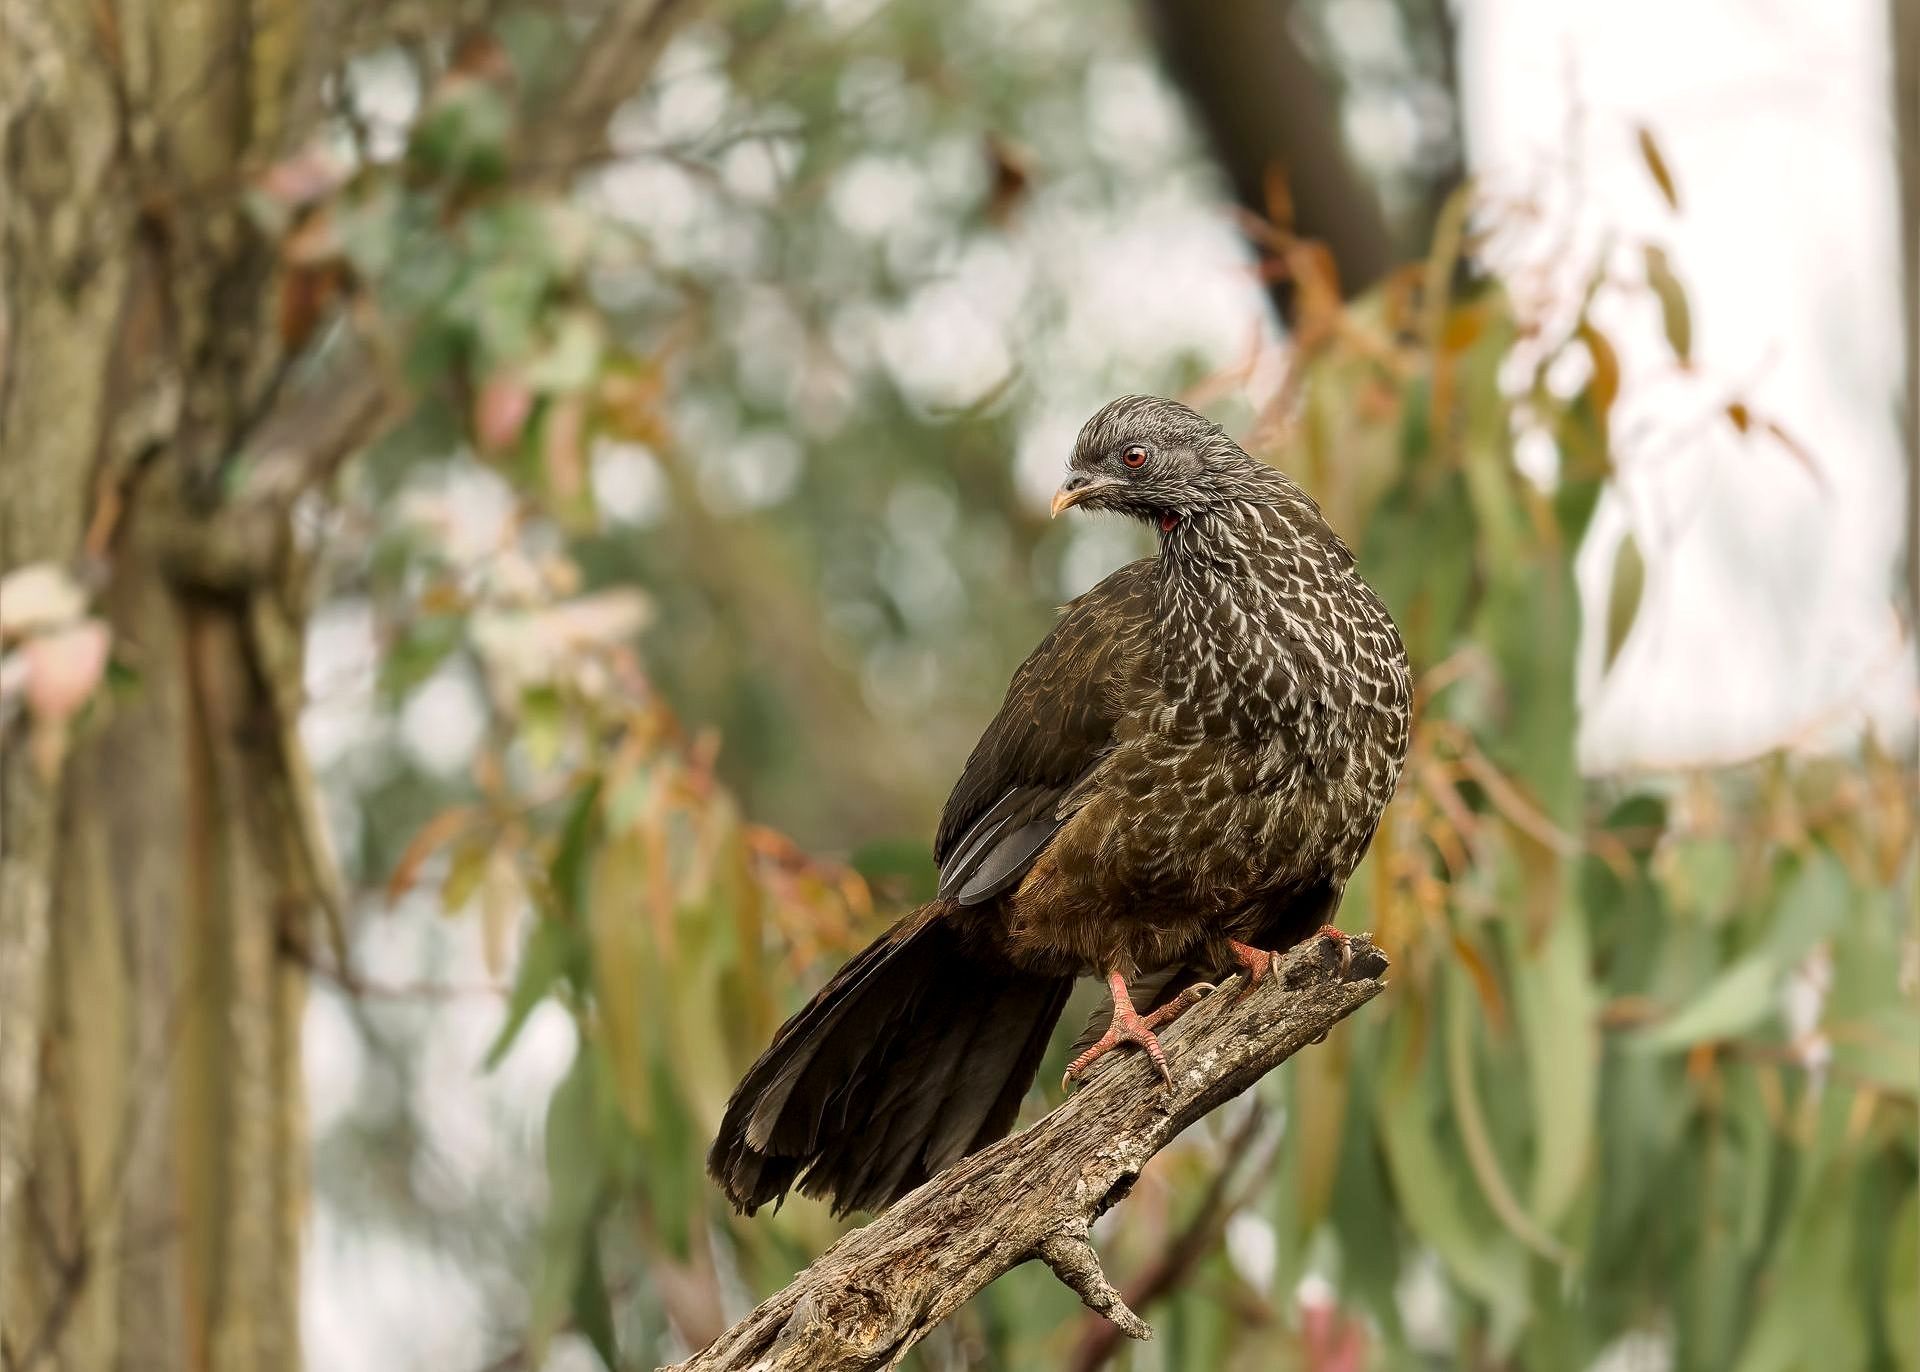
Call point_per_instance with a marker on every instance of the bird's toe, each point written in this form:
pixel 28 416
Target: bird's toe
pixel 1342 946
pixel 1255 963
pixel 1127 1027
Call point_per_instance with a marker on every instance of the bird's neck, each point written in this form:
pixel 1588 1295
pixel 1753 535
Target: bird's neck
pixel 1239 615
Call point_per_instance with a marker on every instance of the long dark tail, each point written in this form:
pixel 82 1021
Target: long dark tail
pixel 916 1054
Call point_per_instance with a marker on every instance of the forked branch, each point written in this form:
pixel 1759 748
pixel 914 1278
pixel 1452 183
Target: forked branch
pixel 884 1287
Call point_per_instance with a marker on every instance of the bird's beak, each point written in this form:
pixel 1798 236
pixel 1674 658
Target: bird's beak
pixel 1077 488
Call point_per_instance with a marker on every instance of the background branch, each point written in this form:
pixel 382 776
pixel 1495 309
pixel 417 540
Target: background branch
pixel 883 1288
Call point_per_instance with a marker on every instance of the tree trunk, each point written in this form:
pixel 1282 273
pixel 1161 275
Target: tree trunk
pixel 1269 111
pixel 151 1138
pixel 160 884
pixel 1905 24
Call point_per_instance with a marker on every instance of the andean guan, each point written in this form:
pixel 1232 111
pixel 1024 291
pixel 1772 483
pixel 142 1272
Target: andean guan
pixel 1183 775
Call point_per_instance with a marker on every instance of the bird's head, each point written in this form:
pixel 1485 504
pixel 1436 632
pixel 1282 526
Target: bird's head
pixel 1157 460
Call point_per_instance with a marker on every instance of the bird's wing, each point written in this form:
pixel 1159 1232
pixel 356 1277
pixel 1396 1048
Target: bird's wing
pixel 1057 722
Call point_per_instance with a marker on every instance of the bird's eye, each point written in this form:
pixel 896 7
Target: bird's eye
pixel 1135 456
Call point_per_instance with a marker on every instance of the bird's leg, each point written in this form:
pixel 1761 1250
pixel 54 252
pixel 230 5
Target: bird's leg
pixel 1129 1026
pixel 1255 962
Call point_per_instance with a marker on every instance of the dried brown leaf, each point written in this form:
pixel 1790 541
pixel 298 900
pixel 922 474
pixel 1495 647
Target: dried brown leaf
pixel 1605 385
pixel 431 837
pixel 1676 316
pixel 1657 166
pixel 1797 450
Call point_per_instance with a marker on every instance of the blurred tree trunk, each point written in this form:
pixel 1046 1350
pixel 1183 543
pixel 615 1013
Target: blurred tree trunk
pixel 153 1167
pixel 1268 109
pixel 1905 22
pixel 160 888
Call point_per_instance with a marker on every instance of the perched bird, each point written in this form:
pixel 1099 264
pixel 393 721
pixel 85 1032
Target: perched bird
pixel 1181 780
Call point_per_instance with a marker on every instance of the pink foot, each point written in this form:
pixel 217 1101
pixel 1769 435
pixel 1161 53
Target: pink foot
pixel 1255 962
pixel 1128 1026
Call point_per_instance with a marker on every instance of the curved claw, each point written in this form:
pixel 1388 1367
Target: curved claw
pixel 1340 941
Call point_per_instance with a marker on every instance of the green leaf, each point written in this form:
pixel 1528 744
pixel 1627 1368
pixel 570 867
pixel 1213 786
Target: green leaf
pixel 1703 874
pixel 576 1191
pixel 617 934
pixel 1758 1143
pixel 1476 1137
pixel 571 358
pixel 1555 1011
pixel 369 227
pixel 592 1309
pixel 1675 315
pixel 568 872
pixel 1815 898
pixel 122 678
pixel 1820 1320
pixel 1416 420
pixel 501 306
pixel 1429 596
pixel 543 720
pixel 464 872
pixel 1903 1284
pixel 1623 599
pixel 1574 501
pixel 1737 1001
pixel 419 653
pixel 550 949
pixel 1530 620
pixel 463 134
pixel 1427 1184
pixel 1881 1044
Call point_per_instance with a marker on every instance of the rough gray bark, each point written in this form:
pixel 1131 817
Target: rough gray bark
pixel 867 1300
pixel 151 1158
pixel 158 890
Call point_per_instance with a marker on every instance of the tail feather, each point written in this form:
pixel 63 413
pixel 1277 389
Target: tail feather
pixel 915 1054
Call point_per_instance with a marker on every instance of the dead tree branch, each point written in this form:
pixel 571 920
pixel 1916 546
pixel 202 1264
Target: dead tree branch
pixel 883 1288
pixel 1198 1238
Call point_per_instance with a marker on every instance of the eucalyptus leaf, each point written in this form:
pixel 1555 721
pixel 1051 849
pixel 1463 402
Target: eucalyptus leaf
pixel 544 961
pixel 576 1191
pixel 1737 1001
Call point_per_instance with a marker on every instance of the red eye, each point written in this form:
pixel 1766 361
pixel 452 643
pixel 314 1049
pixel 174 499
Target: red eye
pixel 1136 456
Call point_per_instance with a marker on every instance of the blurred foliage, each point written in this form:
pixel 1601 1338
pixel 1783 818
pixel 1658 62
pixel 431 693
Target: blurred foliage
pixel 1648 1066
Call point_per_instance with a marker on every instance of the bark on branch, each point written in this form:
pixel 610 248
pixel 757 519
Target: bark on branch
pixel 883 1288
